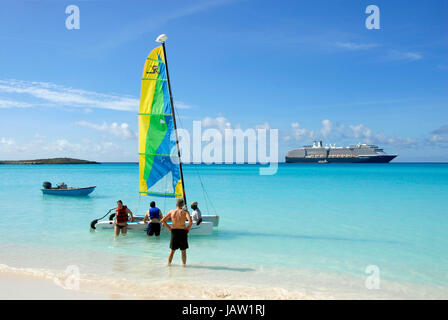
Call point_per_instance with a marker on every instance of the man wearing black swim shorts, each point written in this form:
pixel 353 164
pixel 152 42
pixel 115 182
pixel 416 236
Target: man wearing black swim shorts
pixel 179 232
pixel 153 215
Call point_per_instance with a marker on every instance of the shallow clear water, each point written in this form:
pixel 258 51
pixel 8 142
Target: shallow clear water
pixel 326 218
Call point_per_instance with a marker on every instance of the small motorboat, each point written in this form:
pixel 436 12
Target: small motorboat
pixel 63 190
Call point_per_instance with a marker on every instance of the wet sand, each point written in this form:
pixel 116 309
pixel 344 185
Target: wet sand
pixel 20 287
pixel 31 284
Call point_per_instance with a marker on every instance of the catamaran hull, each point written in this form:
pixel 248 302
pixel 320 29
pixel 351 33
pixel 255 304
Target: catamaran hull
pixel 205 228
pixel 213 219
pixel 205 218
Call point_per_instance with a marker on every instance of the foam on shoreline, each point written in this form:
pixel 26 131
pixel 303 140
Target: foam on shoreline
pixel 31 283
pixel 95 287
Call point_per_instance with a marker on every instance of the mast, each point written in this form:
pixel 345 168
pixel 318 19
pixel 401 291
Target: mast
pixel 162 39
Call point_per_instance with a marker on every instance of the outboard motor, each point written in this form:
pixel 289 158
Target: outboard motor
pixel 46 185
pixel 94 222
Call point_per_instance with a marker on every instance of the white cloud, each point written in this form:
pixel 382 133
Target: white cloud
pixel 393 141
pixel 7 142
pixel 438 139
pixel 327 127
pixel 181 105
pixel 264 126
pixel 356 46
pixel 64 145
pixel 56 95
pixel 120 130
pixel 53 95
pixel 300 134
pixel 40 147
pixel 439 136
pixel 405 56
pixel 220 123
pixel 13 104
pixel 360 131
pixel 366 135
pixel 345 134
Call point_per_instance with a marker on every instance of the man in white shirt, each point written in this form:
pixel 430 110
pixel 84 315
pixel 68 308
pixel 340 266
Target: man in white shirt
pixel 196 214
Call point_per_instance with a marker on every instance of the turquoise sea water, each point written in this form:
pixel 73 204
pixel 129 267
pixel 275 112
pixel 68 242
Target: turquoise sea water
pixel 335 219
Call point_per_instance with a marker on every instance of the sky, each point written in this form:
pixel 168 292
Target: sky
pixel 310 69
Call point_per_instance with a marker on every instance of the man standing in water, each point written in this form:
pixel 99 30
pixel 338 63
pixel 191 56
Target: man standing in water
pixel 179 233
pixel 121 218
pixel 153 215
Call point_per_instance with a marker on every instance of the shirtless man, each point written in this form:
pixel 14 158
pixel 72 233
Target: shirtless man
pixel 179 233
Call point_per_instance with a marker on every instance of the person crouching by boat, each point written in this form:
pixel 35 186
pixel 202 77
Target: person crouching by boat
pixel 154 215
pixel 196 214
pixel 121 218
pixel 179 233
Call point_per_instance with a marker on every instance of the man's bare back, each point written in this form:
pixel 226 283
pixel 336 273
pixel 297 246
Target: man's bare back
pixel 178 216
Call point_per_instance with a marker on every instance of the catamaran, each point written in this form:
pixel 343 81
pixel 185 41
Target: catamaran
pixel 160 165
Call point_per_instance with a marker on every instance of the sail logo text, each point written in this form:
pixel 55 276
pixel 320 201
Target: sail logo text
pixel 229 146
pixel 155 69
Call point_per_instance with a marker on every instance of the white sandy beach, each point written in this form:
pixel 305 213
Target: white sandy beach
pixel 38 284
pixel 20 287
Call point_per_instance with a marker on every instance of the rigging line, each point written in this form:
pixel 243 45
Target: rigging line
pixel 206 193
pixel 164 198
pixel 206 202
pixel 207 197
pixel 138 205
pixel 197 171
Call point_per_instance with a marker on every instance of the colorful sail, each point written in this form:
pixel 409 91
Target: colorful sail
pixel 158 157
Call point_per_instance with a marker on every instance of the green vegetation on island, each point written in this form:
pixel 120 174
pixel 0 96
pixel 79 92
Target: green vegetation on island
pixel 49 161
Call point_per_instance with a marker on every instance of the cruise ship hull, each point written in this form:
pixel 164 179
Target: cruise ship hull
pixel 359 159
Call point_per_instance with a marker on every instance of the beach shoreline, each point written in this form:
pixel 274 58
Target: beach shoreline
pixel 22 287
pixel 41 284
pixel 29 284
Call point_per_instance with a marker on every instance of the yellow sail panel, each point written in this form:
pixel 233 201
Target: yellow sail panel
pixel 149 79
pixel 143 126
pixel 143 186
pixel 178 190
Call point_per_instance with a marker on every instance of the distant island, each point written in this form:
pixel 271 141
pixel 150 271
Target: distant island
pixel 49 161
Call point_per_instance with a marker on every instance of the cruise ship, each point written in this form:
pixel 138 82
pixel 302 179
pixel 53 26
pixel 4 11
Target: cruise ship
pixel 361 153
